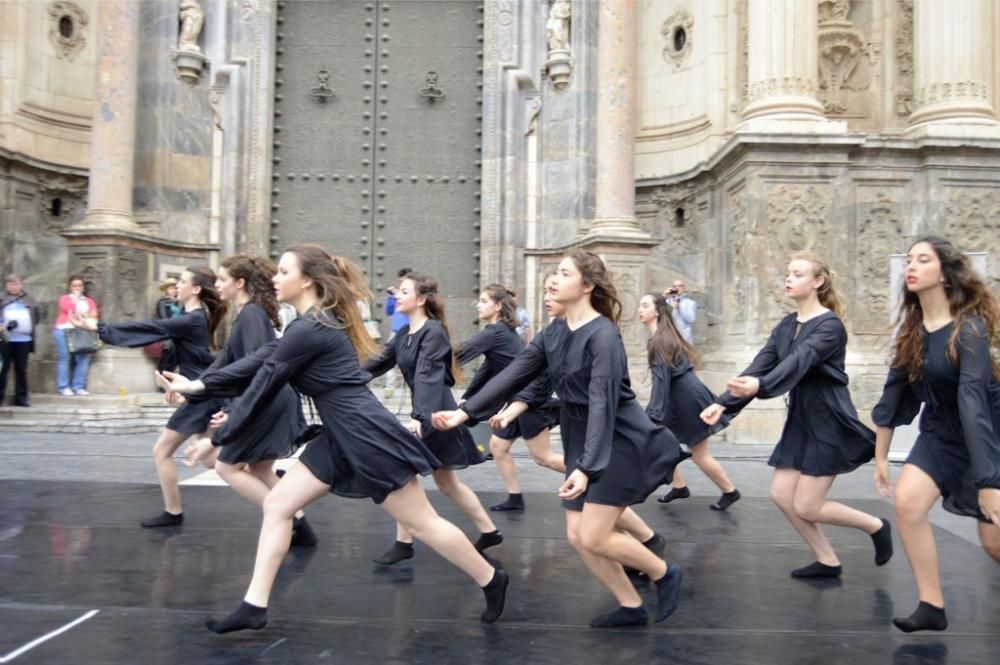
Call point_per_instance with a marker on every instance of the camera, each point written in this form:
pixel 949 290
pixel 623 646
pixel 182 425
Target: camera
pixel 391 290
pixel 672 290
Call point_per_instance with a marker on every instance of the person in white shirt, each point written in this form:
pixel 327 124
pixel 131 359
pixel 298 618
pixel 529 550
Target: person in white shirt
pixel 684 308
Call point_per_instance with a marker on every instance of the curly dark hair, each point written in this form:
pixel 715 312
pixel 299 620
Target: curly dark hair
pixel 257 273
pixel 503 297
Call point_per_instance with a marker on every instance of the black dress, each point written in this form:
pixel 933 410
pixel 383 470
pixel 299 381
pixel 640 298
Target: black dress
pixel 364 450
pixel 677 399
pixel 253 329
pixel 958 444
pixel 822 434
pixel 424 359
pixel 499 344
pixel 605 432
pixel 189 334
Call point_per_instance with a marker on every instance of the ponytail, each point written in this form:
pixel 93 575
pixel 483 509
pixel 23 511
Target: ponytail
pixel 827 294
pixel 427 288
pixel 215 308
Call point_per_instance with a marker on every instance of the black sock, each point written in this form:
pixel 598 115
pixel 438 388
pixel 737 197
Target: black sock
pixel 164 519
pixel 656 544
pixel 925 617
pixel 398 552
pixel 882 539
pixel 246 616
pixel 727 499
pixel 668 592
pixel 489 539
pixel 513 502
pixel 817 569
pixel 623 616
pixel 280 473
pixel 496 596
pixel 675 493
pixel 302 533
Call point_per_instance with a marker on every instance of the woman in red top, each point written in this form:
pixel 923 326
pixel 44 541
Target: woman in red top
pixel 74 301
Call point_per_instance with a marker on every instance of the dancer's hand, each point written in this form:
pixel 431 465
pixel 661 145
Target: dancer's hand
pixel 508 415
pixel 989 503
pixel 883 481
pixel 81 322
pixel 174 399
pixel 415 428
pixel 446 420
pixel 574 486
pixel 218 420
pixel 743 386
pixel 711 413
pixel 198 451
pixel 171 381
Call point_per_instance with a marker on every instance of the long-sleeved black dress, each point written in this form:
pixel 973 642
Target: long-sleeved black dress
pixel 189 334
pixel 605 432
pixel 499 344
pixel 364 450
pixel 424 359
pixel 251 330
pixel 822 434
pixel 677 399
pixel 959 441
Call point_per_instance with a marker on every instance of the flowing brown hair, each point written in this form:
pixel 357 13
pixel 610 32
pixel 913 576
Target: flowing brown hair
pixel 667 342
pixel 593 272
pixel 828 295
pixel 968 296
pixel 501 295
pixel 215 308
pixel 256 273
pixel 427 288
pixel 336 293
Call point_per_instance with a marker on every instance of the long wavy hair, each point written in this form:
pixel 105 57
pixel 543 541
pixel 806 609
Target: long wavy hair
pixel 968 296
pixel 215 308
pixel 335 291
pixel 427 287
pixel 667 343
pixel 604 297
pixel 257 274
pixel 827 293
pixel 504 297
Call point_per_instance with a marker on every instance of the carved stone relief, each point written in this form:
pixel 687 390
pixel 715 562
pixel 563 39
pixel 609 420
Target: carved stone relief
pixel 677 218
pixel 880 234
pixel 972 221
pixel 67 21
pixel 841 48
pixel 676 33
pixel 736 296
pixel 904 57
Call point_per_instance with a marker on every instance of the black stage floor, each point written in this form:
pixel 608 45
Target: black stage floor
pixel 68 548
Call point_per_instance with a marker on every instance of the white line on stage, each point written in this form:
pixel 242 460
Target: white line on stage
pixel 45 638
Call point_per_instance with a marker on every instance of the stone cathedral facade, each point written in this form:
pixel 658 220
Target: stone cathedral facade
pixel 706 140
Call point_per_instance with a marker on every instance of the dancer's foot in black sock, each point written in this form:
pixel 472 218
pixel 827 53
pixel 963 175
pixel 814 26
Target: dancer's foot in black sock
pixel 817 569
pixel 489 539
pixel 245 617
pixel 655 544
pixel 496 596
pixel 513 502
pixel 925 617
pixel 668 592
pixel 674 494
pixel 302 533
pixel 882 539
pixel 727 499
pixel 623 616
pixel 399 551
pixel 164 519
pixel 280 473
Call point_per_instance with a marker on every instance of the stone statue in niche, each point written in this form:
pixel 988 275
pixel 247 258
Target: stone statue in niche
pixel 192 18
pixel 557 31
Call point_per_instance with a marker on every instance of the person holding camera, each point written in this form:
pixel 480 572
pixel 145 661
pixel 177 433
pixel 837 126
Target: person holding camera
pixel 685 310
pixel 18 316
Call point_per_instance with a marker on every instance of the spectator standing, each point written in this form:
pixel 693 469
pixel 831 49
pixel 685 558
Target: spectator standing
pixel 685 310
pixel 72 368
pixel 167 307
pixel 18 316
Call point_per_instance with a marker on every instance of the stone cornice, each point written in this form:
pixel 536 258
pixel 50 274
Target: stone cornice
pixel 41 164
pixel 90 236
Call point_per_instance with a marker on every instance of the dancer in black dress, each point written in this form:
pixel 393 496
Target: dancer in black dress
pixel 247 465
pixel 615 456
pixel 193 334
pixel 365 451
pixel 422 351
pixel 822 437
pixel 678 397
pixel 499 343
pixel 942 358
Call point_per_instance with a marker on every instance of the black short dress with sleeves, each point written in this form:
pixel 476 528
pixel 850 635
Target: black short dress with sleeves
pixel 958 445
pixel 677 399
pixel 364 450
pixel 822 435
pixel 605 432
pixel 189 334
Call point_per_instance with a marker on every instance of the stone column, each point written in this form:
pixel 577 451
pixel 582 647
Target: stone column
pixel 616 75
pixel 109 199
pixel 953 85
pixel 782 66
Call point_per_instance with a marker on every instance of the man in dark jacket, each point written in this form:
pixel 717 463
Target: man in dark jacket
pixel 18 317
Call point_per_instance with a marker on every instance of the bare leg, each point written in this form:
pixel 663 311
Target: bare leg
pixel 166 470
pixel 463 497
pixel 710 467
pixel 609 573
pixel 599 537
pixel 540 448
pixel 678 482
pixel 264 472
pixel 989 536
pixel 915 494
pixel 248 485
pixel 630 522
pixel 505 463
pixel 783 489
